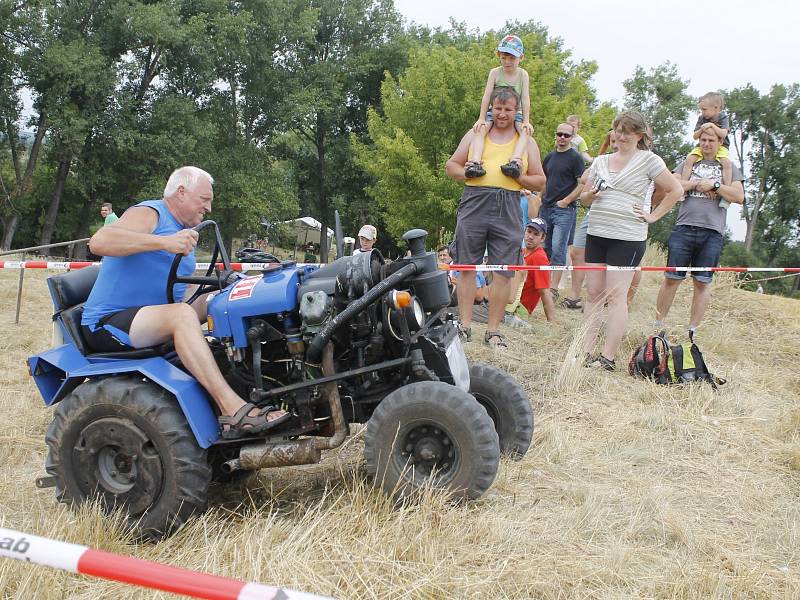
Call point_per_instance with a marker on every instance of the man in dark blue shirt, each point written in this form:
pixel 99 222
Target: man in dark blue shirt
pixel 563 168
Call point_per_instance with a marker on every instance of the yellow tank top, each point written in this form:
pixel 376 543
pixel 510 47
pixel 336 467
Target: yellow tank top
pixel 495 155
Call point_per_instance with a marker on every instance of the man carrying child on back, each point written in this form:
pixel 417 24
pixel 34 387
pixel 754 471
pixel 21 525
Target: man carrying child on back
pixel 699 233
pixel 489 215
pixel 508 75
pixel 713 120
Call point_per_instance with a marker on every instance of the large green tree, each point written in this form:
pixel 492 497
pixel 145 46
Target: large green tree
pixel 765 132
pixel 428 109
pixel 660 95
pixel 126 92
pixel 332 74
pixel 21 44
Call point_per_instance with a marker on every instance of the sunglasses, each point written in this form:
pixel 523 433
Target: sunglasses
pixel 562 134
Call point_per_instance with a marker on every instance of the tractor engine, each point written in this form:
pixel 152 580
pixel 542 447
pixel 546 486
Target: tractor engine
pixel 273 327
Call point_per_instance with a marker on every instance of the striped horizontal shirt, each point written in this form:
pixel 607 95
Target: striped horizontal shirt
pixel 611 215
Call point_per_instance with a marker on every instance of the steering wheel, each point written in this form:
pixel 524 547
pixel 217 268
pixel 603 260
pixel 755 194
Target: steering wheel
pixel 208 282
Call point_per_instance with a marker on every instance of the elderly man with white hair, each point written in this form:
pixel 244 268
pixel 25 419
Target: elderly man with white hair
pixel 128 306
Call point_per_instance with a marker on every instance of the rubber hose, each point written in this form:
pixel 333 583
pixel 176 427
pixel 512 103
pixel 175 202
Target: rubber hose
pixel 344 317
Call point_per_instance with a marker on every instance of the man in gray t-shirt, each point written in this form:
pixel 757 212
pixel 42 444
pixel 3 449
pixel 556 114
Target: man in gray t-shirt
pixel 696 240
pixel 706 209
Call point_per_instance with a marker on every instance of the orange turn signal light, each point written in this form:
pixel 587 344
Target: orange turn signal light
pixel 400 300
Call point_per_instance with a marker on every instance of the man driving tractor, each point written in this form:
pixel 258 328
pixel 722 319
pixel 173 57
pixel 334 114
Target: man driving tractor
pixel 128 306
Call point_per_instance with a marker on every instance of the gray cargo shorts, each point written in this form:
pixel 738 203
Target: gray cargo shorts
pixel 488 218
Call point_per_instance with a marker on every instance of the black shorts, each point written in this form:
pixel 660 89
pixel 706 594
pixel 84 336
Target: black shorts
pixel 488 219
pixel 616 253
pixel 111 332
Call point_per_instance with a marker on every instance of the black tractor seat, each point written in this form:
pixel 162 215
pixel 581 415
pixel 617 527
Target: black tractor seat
pixel 70 291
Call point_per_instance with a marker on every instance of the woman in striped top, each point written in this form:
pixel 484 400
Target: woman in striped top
pixel 618 228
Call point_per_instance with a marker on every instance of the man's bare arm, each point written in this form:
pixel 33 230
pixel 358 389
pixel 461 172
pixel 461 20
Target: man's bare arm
pixel 565 202
pixel 455 166
pixel 547 304
pixel 534 179
pixel 734 192
pixel 131 234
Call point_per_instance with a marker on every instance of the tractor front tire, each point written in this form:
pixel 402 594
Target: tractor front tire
pixel 124 442
pixel 431 434
pixel 508 407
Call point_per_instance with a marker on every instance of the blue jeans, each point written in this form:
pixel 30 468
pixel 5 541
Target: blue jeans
pixel 560 232
pixel 691 246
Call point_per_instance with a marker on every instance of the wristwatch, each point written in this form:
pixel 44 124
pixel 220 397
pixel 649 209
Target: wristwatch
pixel 717 185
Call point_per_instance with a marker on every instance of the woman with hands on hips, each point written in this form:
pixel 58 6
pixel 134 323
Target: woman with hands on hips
pixel 617 234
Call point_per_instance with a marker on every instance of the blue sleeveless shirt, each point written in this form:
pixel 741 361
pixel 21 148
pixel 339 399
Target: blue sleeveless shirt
pixel 138 279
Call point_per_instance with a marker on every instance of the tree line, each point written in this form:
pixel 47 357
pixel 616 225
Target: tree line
pixel 306 106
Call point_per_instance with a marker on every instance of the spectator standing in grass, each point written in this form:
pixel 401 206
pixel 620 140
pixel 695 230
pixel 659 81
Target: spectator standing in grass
pixel 617 233
pixel 577 251
pixel 443 254
pixel 696 240
pixel 367 236
pixel 563 168
pixel 489 215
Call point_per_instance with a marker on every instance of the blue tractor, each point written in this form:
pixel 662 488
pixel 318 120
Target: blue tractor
pixel 359 340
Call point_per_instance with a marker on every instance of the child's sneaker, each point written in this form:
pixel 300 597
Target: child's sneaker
pixel 473 170
pixel 511 169
pixel 515 321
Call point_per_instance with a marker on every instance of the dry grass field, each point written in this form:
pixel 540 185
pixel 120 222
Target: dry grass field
pixel 630 490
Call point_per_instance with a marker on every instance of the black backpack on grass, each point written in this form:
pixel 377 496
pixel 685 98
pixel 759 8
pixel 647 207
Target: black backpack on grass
pixel 667 363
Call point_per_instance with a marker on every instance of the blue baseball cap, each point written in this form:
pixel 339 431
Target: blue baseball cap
pixel 511 44
pixel 538 224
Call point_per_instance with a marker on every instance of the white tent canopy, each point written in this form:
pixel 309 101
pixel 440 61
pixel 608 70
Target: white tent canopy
pixel 306 229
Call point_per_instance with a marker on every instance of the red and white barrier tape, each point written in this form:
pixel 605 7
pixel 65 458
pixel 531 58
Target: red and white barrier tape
pixel 62 266
pixel 144 573
pixel 613 268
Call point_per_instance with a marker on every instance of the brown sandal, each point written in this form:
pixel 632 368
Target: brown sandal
pixel 242 423
pixel 499 344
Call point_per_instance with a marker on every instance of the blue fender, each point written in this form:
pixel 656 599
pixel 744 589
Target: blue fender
pixel 60 370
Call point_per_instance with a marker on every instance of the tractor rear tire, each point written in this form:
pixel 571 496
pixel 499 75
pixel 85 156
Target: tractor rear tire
pixel 124 442
pixel 508 407
pixel 431 434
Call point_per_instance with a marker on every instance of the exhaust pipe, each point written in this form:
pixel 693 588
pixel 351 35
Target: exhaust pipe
pixel 299 452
